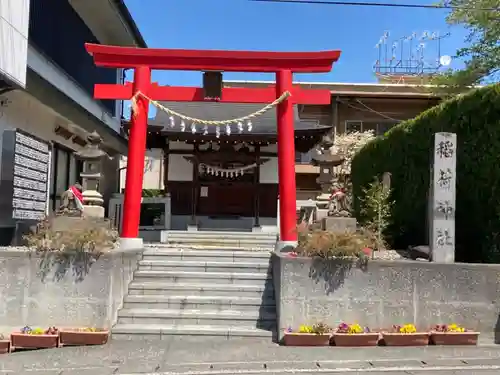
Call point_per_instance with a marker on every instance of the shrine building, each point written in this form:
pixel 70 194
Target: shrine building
pixel 170 164
pixel 224 177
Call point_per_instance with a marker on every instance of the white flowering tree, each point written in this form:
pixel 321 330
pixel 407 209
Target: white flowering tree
pixel 346 145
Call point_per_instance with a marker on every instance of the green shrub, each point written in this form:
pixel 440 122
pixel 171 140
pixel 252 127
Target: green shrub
pixel 405 151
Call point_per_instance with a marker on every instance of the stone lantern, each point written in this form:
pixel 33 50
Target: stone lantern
pixel 92 157
pixel 332 206
pixel 326 161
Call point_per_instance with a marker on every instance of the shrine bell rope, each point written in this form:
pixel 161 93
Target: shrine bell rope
pixel 217 123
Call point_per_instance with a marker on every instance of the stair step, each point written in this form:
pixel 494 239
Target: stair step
pixel 256 318
pixel 224 255
pixel 163 331
pixel 239 242
pixel 200 289
pixel 203 277
pixel 203 266
pixel 221 234
pixel 217 247
pixel 200 302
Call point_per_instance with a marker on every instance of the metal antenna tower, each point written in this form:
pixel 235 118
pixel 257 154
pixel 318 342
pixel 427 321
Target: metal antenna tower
pixel 409 55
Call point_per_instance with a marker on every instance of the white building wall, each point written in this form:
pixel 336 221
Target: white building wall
pixel 180 146
pixel 153 170
pixel 269 171
pixel 14 22
pixel 269 148
pixel 179 169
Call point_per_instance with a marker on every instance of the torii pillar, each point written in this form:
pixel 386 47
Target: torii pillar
pixel 144 60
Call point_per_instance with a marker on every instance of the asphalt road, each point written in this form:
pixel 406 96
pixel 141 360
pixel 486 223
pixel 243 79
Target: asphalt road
pixel 203 356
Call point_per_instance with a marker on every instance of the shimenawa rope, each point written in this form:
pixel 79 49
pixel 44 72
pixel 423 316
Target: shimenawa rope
pixel 194 120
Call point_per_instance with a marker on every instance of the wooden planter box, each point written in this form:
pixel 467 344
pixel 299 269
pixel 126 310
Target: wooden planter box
pixel 356 339
pixel 454 338
pixel 4 346
pixel 406 339
pixel 306 339
pixel 76 337
pixel 21 340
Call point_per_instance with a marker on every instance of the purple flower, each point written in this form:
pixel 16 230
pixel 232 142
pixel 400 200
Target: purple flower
pixel 289 330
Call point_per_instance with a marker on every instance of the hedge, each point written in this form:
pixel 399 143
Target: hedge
pixel 406 152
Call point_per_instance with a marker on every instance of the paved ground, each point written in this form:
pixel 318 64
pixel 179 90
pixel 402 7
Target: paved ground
pixel 182 355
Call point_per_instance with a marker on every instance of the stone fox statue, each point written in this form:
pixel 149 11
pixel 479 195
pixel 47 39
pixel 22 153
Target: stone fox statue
pixel 72 199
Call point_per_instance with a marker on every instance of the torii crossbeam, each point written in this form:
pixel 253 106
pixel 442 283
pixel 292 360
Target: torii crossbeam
pixel 143 60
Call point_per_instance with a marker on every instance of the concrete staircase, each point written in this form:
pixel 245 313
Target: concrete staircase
pixel 202 283
pixel 245 240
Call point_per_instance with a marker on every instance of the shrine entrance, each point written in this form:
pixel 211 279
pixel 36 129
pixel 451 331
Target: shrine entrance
pixel 282 97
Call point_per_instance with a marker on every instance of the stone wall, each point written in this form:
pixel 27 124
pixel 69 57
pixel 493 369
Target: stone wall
pixel 386 292
pixel 69 291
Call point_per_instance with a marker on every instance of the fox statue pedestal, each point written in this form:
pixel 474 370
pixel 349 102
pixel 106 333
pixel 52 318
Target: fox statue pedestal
pixel 339 224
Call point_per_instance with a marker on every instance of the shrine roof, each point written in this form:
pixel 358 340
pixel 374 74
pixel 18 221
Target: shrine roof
pixel 264 124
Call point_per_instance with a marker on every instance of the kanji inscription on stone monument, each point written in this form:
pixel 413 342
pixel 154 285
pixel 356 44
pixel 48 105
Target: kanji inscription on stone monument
pixel 443 188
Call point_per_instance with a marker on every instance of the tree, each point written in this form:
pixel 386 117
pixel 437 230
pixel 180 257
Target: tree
pixel 482 53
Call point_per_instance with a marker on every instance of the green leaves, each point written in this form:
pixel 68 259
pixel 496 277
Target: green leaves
pixel 376 210
pixel 482 54
pixel 406 153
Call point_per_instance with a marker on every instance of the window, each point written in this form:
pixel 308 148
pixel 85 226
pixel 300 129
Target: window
pixel 378 127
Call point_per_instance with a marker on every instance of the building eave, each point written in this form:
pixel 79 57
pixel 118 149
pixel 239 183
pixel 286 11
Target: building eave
pixel 382 90
pixel 131 24
pixel 110 22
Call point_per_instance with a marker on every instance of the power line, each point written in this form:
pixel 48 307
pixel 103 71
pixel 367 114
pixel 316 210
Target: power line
pixel 387 5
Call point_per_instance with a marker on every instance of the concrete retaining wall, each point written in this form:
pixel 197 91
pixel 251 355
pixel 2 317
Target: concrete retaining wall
pixel 386 293
pixel 72 291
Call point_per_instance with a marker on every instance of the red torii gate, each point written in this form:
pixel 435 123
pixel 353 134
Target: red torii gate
pixel 143 60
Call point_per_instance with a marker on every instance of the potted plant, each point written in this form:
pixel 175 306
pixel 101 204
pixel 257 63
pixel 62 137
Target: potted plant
pixel 4 345
pixel 405 335
pixel 35 338
pixel 354 335
pixel 315 335
pixel 453 335
pixel 83 336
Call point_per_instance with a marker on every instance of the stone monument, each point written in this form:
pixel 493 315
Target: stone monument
pixel 442 198
pixel 92 156
pixel 333 204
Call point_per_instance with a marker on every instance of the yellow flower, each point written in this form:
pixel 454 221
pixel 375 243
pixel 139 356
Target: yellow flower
pixel 355 328
pixel 305 329
pixel 408 328
pixel 455 328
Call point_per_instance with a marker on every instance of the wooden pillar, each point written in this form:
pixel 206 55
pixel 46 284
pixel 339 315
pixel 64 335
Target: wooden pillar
pixel 335 116
pixel 136 155
pixel 256 187
pixel 286 163
pixel 196 185
pixel 166 154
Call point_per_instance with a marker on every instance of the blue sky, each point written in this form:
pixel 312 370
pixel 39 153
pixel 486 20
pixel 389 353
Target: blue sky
pixel 244 25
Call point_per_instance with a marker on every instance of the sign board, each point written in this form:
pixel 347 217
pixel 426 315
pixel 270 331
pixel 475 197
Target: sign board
pixel 25 176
